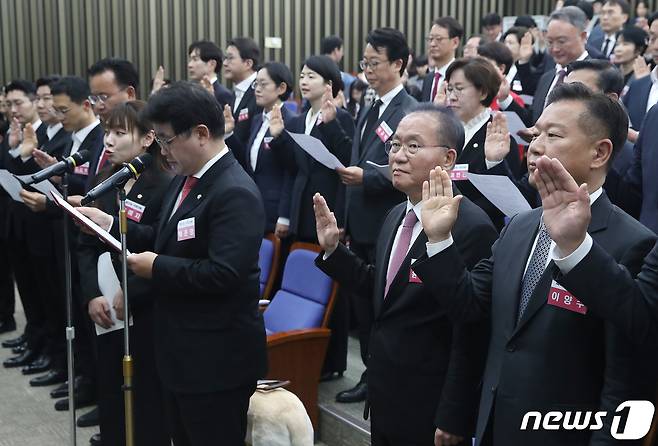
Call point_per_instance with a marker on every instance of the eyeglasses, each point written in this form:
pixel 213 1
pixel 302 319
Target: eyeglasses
pixel 437 39
pixel 164 144
pixel 456 90
pixel 412 149
pixel 101 98
pixel 61 112
pixel 364 64
pixel 260 84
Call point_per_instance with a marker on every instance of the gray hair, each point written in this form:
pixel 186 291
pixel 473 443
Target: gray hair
pixel 570 14
pixel 451 130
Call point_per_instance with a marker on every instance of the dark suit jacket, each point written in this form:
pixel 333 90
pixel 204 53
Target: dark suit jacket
pixel 620 166
pixel 553 359
pixel 635 100
pixel 368 203
pixel 309 176
pixel 270 175
pixel 473 155
pixel 243 127
pixel 79 184
pixel 423 371
pixel 222 94
pixel 209 334
pixel 426 92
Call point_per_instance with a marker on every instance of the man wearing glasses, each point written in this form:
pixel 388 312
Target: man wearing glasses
pixel 442 43
pixel 423 371
pixel 200 264
pixel 112 82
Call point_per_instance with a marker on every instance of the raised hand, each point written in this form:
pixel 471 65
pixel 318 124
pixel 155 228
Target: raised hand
pixel 276 121
pixel 440 208
pixel 29 141
pixel 496 143
pixel 325 224
pixel 441 97
pixel 566 206
pixel 205 83
pixel 158 79
pixel 503 90
pixel 526 49
pixel 640 68
pixel 43 159
pixel 328 108
pixel 15 133
pixel 229 121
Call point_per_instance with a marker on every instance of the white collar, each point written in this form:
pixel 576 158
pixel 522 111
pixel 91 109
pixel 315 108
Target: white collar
pixel 559 67
pixel 246 84
pixel 36 124
pixel 81 134
pixel 211 162
pixel 478 121
pixel 417 208
pixel 53 129
pixel 595 195
pixel 388 97
pixel 511 74
pixel 654 75
pixel 444 68
pixel 213 79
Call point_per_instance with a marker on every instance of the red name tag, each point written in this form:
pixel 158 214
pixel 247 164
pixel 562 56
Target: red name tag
pixel 459 172
pixel 266 142
pixel 185 229
pixel 384 131
pixel 134 211
pixel 413 278
pixel 82 170
pixel 243 115
pixel 560 297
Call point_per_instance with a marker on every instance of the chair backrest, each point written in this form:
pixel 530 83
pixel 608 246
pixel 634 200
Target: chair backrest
pixel 268 261
pixel 306 297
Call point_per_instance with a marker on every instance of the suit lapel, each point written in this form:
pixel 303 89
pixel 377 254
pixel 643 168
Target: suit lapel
pixel 382 268
pixel 390 109
pixel 255 127
pixel 169 201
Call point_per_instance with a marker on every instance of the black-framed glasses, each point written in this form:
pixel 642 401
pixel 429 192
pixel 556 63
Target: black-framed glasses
pixel 101 98
pixel 412 149
pixel 164 143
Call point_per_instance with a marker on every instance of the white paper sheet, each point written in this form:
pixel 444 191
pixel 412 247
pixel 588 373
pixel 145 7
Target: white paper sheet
pixel 381 168
pixel 316 149
pixel 45 187
pixel 109 284
pixel 527 99
pixel 11 185
pixel 502 193
pixel 100 232
pixel 514 124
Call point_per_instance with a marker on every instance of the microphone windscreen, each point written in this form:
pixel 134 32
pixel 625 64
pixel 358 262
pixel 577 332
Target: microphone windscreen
pixel 142 162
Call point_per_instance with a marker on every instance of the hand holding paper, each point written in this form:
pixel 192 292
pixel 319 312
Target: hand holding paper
pixel 315 148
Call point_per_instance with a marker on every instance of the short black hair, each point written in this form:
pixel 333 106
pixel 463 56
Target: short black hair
pixel 420 60
pixel 74 87
pixel 330 43
pixel 609 77
pixel 451 130
pixel 47 80
pixel 623 4
pixel 635 35
pixel 455 29
pixel 603 114
pixel 518 31
pixel 280 74
pixel 208 51
pixel 583 5
pixel 248 49
pixel 491 19
pixel 480 73
pixel 525 21
pixel 327 68
pixel 498 52
pixel 184 105
pixel 26 87
pixel 653 17
pixel 125 73
pixel 393 41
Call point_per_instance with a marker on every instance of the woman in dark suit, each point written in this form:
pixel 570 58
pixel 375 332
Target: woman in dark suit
pixel 472 85
pixel 127 136
pixel 272 87
pixel 319 83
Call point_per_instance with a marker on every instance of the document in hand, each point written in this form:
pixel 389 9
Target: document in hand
pixel 316 149
pixel 514 124
pixel 11 185
pixel 108 284
pixel 502 193
pixel 45 187
pixel 384 169
pixel 102 234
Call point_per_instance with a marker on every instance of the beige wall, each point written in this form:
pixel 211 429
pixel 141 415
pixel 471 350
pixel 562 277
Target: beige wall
pixel 39 37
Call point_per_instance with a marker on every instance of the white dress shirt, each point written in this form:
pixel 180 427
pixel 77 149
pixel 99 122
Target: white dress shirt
pixel 52 130
pixel 653 92
pixel 442 70
pixel 559 68
pixel 80 135
pixel 311 120
pixel 241 88
pixel 255 146
pixel 386 99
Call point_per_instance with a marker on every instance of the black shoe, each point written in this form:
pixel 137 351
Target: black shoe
pixel 19 349
pixel 95 440
pixel 50 378
pixel 89 419
pixel 23 359
pixel 354 395
pixel 39 365
pixel 8 325
pixel 330 376
pixel 84 395
pixel 9 343
pixel 60 391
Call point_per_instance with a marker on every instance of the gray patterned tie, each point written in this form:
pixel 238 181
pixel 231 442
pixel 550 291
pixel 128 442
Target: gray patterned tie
pixel 535 269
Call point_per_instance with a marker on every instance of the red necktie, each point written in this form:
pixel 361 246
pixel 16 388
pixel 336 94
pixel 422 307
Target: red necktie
pixel 102 161
pixel 187 187
pixel 401 248
pixel 435 85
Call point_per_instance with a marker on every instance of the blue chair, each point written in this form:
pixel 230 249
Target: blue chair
pixel 296 323
pixel 268 261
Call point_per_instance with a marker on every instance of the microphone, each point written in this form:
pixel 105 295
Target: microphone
pixel 128 171
pixel 66 165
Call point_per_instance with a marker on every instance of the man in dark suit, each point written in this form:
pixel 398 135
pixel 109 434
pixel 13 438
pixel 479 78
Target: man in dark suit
pixel 370 194
pixel 200 262
pixel 204 61
pixel 240 66
pixel 538 329
pixel 565 37
pixel 112 81
pixel 422 375
pixel 614 14
pixel 442 42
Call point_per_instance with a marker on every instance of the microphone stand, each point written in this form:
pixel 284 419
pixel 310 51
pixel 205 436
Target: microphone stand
pixel 127 359
pixel 70 329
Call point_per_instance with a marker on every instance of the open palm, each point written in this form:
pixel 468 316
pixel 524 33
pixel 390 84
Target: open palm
pixel 440 208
